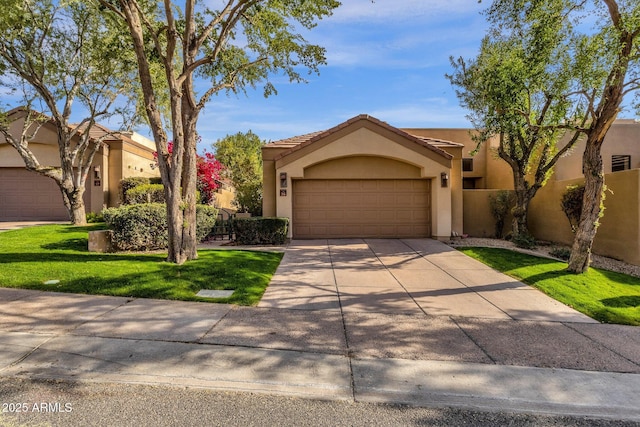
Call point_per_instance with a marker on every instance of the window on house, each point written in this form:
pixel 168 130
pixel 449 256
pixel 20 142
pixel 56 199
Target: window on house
pixel 467 165
pixel 469 183
pixel 620 162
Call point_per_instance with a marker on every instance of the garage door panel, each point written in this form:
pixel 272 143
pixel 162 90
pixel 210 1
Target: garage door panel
pixel 26 196
pixel 361 208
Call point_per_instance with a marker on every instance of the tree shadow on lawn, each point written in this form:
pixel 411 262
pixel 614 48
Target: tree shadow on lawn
pixel 139 285
pixel 562 272
pixel 78 245
pixel 624 301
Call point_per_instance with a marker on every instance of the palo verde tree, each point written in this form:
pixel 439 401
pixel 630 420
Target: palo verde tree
pixel 241 155
pixel 60 58
pixel 238 45
pixel 519 89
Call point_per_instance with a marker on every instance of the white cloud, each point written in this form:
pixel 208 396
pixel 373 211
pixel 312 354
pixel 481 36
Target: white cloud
pixel 399 44
pixel 399 10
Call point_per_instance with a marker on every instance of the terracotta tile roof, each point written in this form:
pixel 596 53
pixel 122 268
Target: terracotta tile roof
pixel 297 142
pixel 99 131
pixel 293 141
pixel 438 142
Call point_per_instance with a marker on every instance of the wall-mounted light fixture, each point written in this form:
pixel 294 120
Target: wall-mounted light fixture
pixel 283 180
pixel 96 172
pixel 444 179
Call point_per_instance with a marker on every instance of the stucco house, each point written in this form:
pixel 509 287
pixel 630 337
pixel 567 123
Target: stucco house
pixel 364 178
pixel 27 196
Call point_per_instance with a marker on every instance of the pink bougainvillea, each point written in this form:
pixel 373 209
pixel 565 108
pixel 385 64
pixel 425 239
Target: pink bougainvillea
pixel 208 174
pixel 209 169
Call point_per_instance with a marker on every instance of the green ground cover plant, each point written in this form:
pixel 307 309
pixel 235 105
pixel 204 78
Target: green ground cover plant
pixel 37 257
pixel 603 295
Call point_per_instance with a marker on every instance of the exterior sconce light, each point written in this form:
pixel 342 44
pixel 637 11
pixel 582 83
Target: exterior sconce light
pixel 283 180
pixel 444 179
pixel 96 172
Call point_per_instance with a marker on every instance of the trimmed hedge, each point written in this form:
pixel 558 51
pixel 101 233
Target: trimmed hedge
pixel 143 227
pixel 206 217
pixel 145 193
pixel 261 231
pixel 128 183
pixel 138 227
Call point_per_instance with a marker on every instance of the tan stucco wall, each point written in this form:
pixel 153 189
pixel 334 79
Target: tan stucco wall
pixel 455 183
pixel 478 220
pixel 225 198
pixel 349 152
pixel 47 154
pixel 269 187
pixel 127 160
pixel 619 232
pixel 488 168
pixel 547 221
pixel 622 139
pixel 356 167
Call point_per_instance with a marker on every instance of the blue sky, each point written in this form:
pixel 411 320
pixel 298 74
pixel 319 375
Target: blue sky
pixel 386 59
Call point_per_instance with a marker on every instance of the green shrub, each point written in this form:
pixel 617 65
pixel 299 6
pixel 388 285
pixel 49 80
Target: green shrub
pixel 260 231
pixel 561 253
pixel 138 227
pixel 524 241
pixel 145 193
pixel 93 217
pixel 143 227
pixel 205 221
pixel 128 183
pixel 572 204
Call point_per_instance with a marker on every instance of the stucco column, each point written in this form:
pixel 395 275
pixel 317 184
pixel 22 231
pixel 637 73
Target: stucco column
pixel 441 209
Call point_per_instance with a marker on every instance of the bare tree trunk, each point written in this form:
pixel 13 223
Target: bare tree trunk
pixel 190 112
pixel 175 219
pixel 520 213
pixel 189 191
pixel 78 212
pixel 591 209
pixel 523 195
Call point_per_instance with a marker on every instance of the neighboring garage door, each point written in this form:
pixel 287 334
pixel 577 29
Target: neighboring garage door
pixel 382 208
pixel 27 196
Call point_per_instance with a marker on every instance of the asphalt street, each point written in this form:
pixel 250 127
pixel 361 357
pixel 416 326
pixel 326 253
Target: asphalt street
pixel 100 404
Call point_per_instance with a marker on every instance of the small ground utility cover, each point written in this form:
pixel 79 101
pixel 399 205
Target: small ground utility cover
pixel 52 282
pixel 208 293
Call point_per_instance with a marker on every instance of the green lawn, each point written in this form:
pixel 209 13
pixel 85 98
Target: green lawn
pixel 603 295
pixel 31 257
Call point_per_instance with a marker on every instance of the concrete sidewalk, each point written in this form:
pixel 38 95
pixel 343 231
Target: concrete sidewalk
pixel 382 321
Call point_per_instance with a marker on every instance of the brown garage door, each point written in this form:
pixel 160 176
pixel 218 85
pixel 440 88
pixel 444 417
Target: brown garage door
pixel 26 196
pixel 383 208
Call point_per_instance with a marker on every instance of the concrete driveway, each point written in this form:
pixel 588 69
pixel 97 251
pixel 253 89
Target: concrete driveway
pixel 420 277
